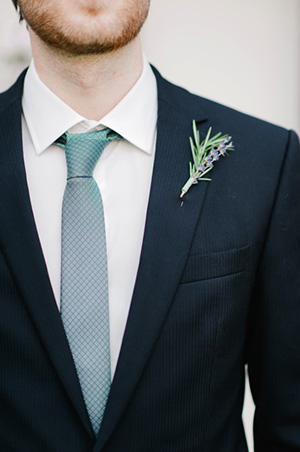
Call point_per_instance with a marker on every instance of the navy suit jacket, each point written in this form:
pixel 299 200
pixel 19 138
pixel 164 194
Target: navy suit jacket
pixel 218 286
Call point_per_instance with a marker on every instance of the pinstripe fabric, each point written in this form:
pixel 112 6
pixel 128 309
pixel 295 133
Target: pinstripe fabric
pixel 218 286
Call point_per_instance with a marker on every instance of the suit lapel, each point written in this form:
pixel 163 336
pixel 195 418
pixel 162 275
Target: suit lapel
pixel 21 248
pixel 168 235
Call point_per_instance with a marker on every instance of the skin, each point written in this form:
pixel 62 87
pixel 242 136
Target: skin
pixel 86 50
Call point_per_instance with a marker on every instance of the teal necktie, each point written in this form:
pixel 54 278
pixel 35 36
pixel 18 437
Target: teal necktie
pixel 84 284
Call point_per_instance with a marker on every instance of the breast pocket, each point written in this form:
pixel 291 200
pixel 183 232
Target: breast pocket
pixel 215 265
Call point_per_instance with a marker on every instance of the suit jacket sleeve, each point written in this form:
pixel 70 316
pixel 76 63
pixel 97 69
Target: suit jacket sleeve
pixel 274 330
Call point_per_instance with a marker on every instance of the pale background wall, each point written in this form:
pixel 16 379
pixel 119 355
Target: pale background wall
pixel 244 53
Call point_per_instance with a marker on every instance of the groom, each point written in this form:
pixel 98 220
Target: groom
pixel 127 312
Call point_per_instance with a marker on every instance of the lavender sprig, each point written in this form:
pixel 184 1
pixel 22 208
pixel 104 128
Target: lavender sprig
pixel 205 154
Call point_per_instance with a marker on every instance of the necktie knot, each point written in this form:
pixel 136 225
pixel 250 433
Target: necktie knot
pixel 83 150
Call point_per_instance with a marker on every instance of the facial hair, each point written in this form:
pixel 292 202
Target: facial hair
pixel 58 31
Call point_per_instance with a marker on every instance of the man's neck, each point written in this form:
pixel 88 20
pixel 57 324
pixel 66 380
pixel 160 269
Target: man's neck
pixel 91 85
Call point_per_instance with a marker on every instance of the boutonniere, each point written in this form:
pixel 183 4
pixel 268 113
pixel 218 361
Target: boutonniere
pixel 205 154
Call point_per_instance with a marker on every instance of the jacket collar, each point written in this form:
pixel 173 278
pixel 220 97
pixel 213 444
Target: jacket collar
pixel 168 234
pixel 21 249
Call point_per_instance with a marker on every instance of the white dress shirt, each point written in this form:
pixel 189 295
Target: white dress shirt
pixel 123 174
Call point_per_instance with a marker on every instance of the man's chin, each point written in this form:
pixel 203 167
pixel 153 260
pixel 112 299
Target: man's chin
pixel 96 29
pixel 81 45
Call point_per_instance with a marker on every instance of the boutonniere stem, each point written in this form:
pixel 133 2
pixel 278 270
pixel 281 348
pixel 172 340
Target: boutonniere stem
pixel 205 153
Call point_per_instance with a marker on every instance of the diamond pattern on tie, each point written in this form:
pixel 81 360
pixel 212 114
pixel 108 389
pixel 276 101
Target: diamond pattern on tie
pixel 84 285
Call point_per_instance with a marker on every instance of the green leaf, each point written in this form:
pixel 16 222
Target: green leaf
pixel 196 134
pixel 194 151
pixel 207 137
pixel 217 136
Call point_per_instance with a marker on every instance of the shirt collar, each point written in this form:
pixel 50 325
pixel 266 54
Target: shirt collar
pixel 48 117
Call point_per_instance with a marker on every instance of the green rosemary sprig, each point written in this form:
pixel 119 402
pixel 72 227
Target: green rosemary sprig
pixel 204 155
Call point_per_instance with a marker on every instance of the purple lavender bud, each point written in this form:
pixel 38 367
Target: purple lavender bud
pixel 215 155
pixel 208 162
pixel 222 149
pixel 201 167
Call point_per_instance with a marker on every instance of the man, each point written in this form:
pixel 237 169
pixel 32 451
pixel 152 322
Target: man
pixel 198 286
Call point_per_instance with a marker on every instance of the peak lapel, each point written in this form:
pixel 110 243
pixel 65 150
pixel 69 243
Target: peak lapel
pixel 168 235
pixel 21 248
